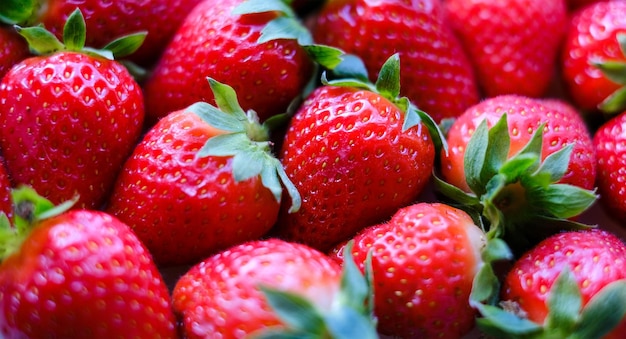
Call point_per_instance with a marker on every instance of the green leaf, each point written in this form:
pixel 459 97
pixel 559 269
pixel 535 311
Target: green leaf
pixel 388 82
pixel 354 288
pixel 350 66
pixel 555 165
pixel 497 149
pixel 495 318
pixel 564 302
pixel 295 311
pixel 248 164
pixel 485 287
pixel 126 45
pixel 496 249
pixel 350 324
pixel 270 177
pixel 40 40
pixel 327 56
pixel 217 118
pixel 436 134
pixel 474 158
pixel 285 28
pixel 603 312
pixel 296 199
pixel 563 200
pixel 614 103
pixel 262 6
pixel 224 145
pixel 75 31
pixel 456 194
pixel 226 99
pixel 519 165
pixel 356 83
pixel 534 145
pixel 17 11
pixel 102 53
pixel 613 70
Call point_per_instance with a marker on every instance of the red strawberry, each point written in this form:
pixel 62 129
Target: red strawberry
pixel 424 261
pixel 5 192
pixel 437 76
pixel 13 49
pixel 78 274
pixel 356 153
pixel 592 45
pixel 611 165
pixel 571 285
pixel 272 287
pixel 200 180
pixel 214 41
pixel 512 44
pixel 68 119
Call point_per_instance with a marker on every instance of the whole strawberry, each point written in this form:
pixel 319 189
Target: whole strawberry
pixel 13 49
pixel 215 41
pixel 437 75
pixel 571 285
pixel 424 261
pixel 202 179
pixel 77 274
pixel 70 117
pixel 356 153
pixel 611 165
pixel 274 289
pixel 512 44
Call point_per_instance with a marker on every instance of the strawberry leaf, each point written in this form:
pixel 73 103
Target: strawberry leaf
pixel 562 200
pixel 325 56
pixel 75 31
pixel 350 324
pixel 603 312
pixel 285 28
pixel 615 102
pixel 554 166
pixel 474 158
pixel 262 6
pixel 226 99
pixel 564 303
pixel 388 82
pixel 295 311
pixel 40 40
pixel 216 118
pixel 503 324
pixel 126 45
pixel 485 286
pixel 350 66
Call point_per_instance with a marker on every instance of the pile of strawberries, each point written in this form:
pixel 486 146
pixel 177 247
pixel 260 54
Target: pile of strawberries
pixel 312 169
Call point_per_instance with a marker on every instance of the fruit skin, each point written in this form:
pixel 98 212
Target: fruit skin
pixel 595 257
pixel 212 42
pixel 436 74
pixel 424 261
pixel 184 207
pixel 67 123
pixel 108 20
pixel 5 192
pixel 13 49
pixel 221 294
pixel 592 36
pixel 83 274
pixel 353 165
pixel 524 115
pixel 512 44
pixel 608 142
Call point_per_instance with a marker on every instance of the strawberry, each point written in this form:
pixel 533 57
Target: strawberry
pixel 274 289
pixel 437 75
pixel 201 180
pixel 217 42
pixel 69 117
pixel 512 44
pixel 356 152
pixel 77 274
pixel 593 59
pixel 13 49
pixel 424 260
pixel 5 192
pixel 525 164
pixel 611 165
pixel 571 285
pixel 108 20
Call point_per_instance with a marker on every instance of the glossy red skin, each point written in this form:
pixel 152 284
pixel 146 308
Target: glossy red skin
pixel 213 43
pixel 13 49
pixel 184 208
pixel 524 115
pixel 596 258
pixel 512 44
pixel 67 123
pixel 592 36
pixel 83 274
pixel 107 20
pixel 435 72
pixel 609 141
pixel 424 261
pixel 352 164
pixel 221 294
pixel 6 205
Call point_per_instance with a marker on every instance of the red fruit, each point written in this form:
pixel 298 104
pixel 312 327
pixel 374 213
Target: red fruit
pixel 611 165
pixel 592 37
pixel 424 261
pixel 222 293
pixel 596 258
pixel 436 74
pixel 214 42
pixel 13 49
pixel 5 192
pixel 83 274
pixel 512 44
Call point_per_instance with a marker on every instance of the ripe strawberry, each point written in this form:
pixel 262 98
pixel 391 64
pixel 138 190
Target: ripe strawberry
pixel 276 289
pixel 78 274
pixel 424 261
pixel 13 49
pixel 437 75
pixel 356 153
pixel 214 41
pixel 611 165
pixel 200 180
pixel 571 285
pixel 512 44
pixel 591 46
pixel 68 119
pixel 525 164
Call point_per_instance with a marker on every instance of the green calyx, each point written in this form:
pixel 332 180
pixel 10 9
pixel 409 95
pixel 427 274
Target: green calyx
pixel 566 318
pixel 29 208
pixel 614 70
pixel 246 141
pixel 351 315
pixel 14 12
pixel 43 42
pixel 519 198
